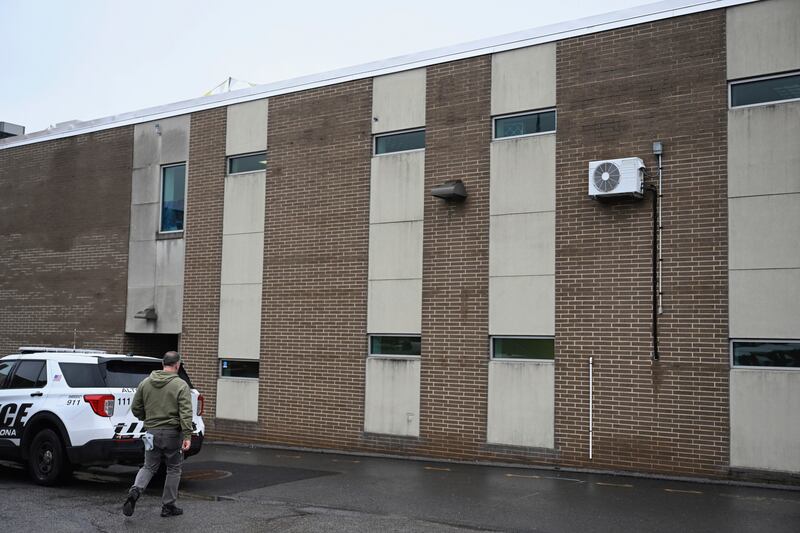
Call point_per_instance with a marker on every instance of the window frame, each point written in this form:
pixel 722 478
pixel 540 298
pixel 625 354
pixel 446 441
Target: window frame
pixel 520 359
pixel 531 112
pixel 731 83
pixel 219 368
pixel 397 132
pixel 734 366
pixel 161 197
pixel 392 356
pixel 230 158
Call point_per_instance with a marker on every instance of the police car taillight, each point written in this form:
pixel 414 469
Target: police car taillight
pixel 201 404
pixel 102 404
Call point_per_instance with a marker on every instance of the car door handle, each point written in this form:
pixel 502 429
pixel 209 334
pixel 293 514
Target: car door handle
pixel 37 394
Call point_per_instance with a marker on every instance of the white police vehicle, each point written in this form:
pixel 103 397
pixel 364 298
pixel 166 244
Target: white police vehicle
pixel 62 407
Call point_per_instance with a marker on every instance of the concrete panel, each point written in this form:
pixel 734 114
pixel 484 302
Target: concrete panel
pixel 763 38
pixel 395 250
pixel 244 203
pixel 144 222
pixel 247 127
pixel 240 321
pixel 398 101
pixel 522 244
pixel 523 175
pixel 169 306
pixel 142 263
pixel 522 305
pixel 397 187
pixel 395 306
pixel 521 404
pixel 765 231
pixel 391 404
pixel 145 183
pixel 169 262
pixel 765 304
pixel 237 399
pixel 242 258
pixel 146 145
pixel 765 433
pixel 139 298
pixel 764 149
pixel 174 139
pixel 524 79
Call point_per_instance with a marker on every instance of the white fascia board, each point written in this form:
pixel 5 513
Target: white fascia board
pixel 554 32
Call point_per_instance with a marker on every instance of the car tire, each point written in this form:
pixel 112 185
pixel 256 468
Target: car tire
pixel 47 459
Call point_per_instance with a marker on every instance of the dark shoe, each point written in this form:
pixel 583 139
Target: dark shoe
pixel 170 510
pixel 130 503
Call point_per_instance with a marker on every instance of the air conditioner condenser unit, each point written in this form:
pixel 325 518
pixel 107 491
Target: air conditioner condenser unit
pixel 616 177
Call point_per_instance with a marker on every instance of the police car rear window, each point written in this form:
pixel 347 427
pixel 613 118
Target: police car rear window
pixel 129 373
pixel 81 375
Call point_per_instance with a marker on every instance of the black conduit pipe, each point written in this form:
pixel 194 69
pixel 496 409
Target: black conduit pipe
pixel 654 190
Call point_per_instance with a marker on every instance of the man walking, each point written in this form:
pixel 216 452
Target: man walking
pixel 164 402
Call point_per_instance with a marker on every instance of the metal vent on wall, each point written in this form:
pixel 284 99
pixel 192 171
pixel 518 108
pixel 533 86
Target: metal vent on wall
pixel 606 177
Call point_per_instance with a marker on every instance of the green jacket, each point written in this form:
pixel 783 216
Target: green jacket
pixel 163 400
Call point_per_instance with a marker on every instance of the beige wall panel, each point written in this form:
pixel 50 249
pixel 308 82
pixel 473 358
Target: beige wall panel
pixel 395 306
pixel 144 221
pixel 391 403
pixel 242 258
pixel 145 183
pixel 522 244
pixel 398 101
pixel 240 321
pixel 146 146
pixel 395 250
pixel 522 305
pixel 139 298
pixel 765 304
pixel 174 139
pixel 237 399
pixel 521 404
pixel 523 175
pixel 763 38
pixel 524 79
pixel 244 203
pixel 764 149
pixel 169 306
pixel 142 263
pixel 169 261
pixel 397 187
pixel 247 127
pixel 765 232
pixel 765 433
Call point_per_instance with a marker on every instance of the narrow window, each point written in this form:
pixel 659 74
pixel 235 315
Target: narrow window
pixel 525 124
pixel 232 368
pixel 395 345
pixel 399 142
pixel 765 90
pixel 542 348
pixel 173 197
pixel 778 354
pixel 240 164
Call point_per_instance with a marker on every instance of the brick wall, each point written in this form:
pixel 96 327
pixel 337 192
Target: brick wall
pixel 64 216
pixel 617 92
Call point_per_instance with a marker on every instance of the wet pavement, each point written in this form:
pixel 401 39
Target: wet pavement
pixel 229 488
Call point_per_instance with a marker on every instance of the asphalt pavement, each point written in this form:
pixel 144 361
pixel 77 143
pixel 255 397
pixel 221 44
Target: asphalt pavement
pixel 231 488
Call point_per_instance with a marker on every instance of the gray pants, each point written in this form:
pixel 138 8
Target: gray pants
pixel 166 445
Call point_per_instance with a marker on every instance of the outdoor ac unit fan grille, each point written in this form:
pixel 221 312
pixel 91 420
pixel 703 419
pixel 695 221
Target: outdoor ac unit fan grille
pixel 606 177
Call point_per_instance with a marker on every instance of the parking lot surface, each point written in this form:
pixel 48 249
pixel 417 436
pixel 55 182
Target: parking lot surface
pixel 230 488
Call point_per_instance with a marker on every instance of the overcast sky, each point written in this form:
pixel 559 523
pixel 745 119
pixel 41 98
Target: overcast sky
pixel 84 59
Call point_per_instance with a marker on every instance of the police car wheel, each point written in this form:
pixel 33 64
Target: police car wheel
pixel 47 462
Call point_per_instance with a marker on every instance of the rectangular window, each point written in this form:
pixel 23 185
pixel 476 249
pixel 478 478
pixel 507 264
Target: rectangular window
pixel 247 163
pixel 525 124
pixel 765 90
pixel 399 142
pixel 395 345
pixel 231 368
pixel 542 348
pixel 29 375
pixel 776 354
pixel 173 197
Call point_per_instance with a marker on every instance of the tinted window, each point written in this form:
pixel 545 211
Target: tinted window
pixel 779 354
pixel 82 375
pixel 525 124
pixel 400 142
pixel 247 163
pixel 392 345
pixel 5 370
pixel 129 373
pixel 173 193
pixel 238 369
pixel 26 376
pixel 763 91
pixel 514 348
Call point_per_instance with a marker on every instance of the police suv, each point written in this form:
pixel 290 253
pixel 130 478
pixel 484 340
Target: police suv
pixel 62 407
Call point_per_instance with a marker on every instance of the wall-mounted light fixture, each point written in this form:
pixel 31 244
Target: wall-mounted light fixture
pixel 451 191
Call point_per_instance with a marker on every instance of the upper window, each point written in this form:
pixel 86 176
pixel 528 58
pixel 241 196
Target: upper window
pixel 399 142
pixel 173 197
pixel 525 124
pixel 765 90
pixel 239 164
pixel 232 368
pixel 780 354
pixel 395 345
pixel 29 375
pixel 542 348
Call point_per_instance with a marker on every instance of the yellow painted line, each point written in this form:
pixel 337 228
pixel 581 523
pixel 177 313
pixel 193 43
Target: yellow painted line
pixel 684 491
pixel 437 469
pixel 522 475
pixel 624 485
